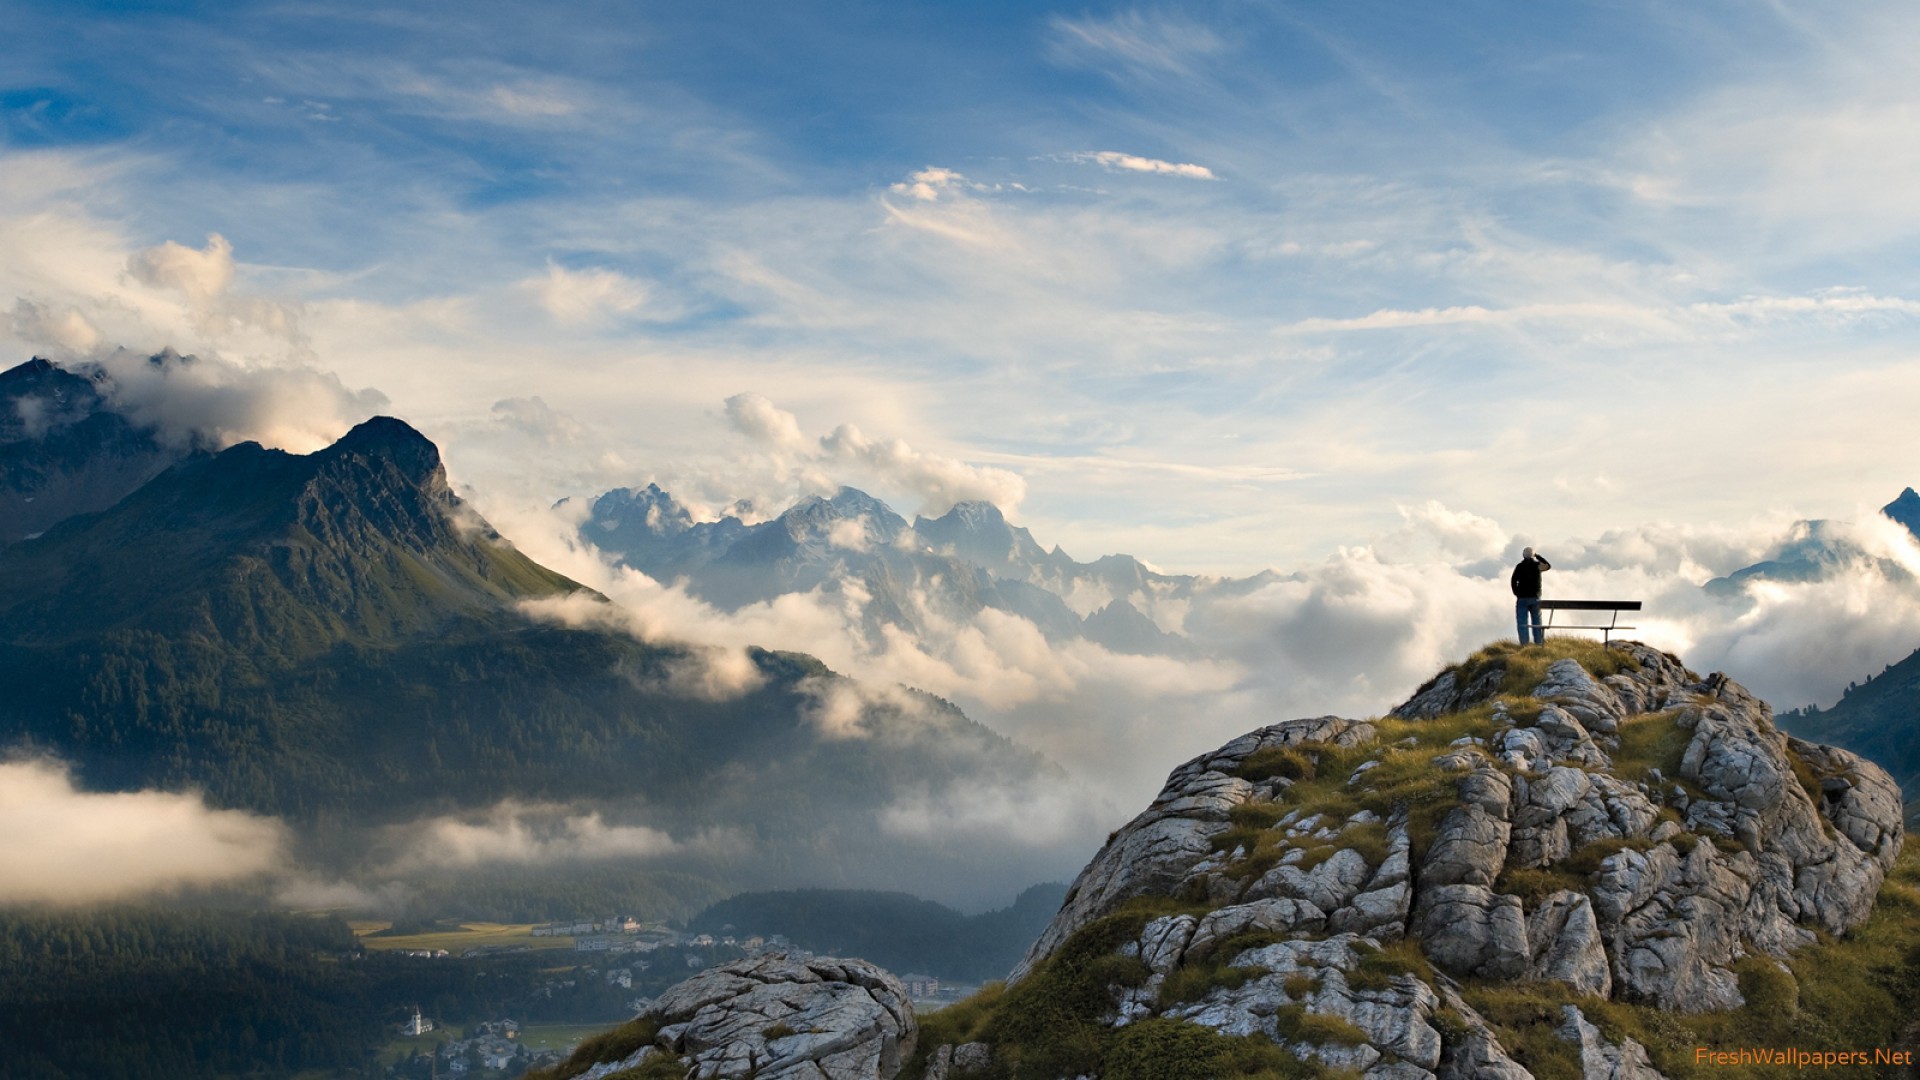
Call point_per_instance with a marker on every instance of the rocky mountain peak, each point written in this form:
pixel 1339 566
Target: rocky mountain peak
pixel 390 440
pixel 650 510
pixel 1598 822
pixel 63 451
pixel 1906 510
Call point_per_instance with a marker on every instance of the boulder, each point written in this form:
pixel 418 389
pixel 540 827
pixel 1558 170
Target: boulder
pixel 1471 930
pixel 1588 702
pixel 772 1017
pixel 1566 945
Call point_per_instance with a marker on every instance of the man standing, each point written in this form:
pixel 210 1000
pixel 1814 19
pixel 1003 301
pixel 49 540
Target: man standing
pixel 1526 592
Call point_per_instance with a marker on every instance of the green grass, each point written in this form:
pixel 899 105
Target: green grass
pixel 1524 666
pixel 558 1036
pixel 1379 965
pixel 607 1046
pixel 1052 1023
pixel 1651 741
pixel 472 935
pixel 1279 762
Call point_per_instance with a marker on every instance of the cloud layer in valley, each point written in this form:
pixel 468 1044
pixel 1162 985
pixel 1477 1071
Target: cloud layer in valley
pixel 66 845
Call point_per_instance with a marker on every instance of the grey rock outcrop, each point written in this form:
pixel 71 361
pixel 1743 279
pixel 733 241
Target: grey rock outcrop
pixel 776 1018
pixel 1157 852
pixel 1661 873
pixel 1600 1059
pixel 1566 944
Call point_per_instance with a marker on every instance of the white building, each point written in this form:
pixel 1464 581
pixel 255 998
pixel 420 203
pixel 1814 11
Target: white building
pixel 419 1025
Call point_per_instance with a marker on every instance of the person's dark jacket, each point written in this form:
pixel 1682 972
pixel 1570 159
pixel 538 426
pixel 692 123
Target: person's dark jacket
pixel 1526 577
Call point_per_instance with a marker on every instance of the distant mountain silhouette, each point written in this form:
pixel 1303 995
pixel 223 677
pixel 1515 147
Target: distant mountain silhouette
pixel 856 548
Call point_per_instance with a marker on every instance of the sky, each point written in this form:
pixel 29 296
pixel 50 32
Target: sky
pixel 1368 293
pixel 1223 286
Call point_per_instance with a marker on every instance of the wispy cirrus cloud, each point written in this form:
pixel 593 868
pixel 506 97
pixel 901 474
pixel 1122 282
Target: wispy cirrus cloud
pixel 1138 41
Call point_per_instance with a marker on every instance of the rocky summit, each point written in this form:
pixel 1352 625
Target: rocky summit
pixel 1605 827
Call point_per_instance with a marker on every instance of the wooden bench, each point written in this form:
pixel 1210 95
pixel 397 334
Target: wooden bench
pixel 1606 632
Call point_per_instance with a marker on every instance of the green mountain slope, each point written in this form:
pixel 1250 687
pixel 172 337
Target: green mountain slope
pixel 334 637
pixel 899 932
pixel 1880 719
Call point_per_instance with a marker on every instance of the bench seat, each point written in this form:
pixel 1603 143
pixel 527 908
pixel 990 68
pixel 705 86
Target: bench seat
pixel 1606 631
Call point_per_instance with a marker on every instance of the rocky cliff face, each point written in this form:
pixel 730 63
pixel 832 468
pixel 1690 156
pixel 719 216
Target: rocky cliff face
pixel 1611 827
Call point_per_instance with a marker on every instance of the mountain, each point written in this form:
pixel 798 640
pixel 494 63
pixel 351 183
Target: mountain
pixel 63 451
pixel 895 930
pixel 854 547
pixel 1879 718
pixel 335 637
pixel 1815 550
pixel 1906 510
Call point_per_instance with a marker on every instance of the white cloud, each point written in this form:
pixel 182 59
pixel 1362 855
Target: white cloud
pixel 927 184
pixel 1113 159
pixel 574 297
pixel 210 399
pixel 64 331
pixel 516 832
pixel 528 100
pixel 759 419
pixel 1135 41
pixel 847 455
pixel 202 274
pixel 65 845
pixel 533 417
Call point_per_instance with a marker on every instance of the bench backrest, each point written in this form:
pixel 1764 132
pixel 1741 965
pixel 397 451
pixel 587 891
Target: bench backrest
pixel 1590 605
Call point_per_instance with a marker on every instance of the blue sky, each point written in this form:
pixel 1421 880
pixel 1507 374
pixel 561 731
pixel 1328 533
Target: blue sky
pixel 1223 285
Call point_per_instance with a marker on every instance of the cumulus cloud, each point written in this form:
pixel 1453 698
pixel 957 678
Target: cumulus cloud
pixel 533 417
pixel 65 845
pixel 211 400
pixel 1113 159
pixel 204 278
pixel 202 274
pixel 849 455
pixel 513 832
pixel 758 418
pixel 927 184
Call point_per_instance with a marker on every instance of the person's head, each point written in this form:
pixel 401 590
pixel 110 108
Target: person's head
pixel 1526 553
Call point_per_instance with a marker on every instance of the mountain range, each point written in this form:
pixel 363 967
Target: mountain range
pixel 336 639
pixel 905 575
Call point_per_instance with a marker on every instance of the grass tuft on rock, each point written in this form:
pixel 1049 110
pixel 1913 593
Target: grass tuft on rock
pixel 1651 741
pixel 1524 666
pixel 608 1046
